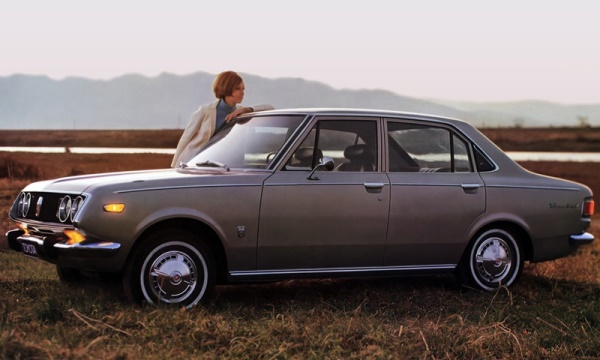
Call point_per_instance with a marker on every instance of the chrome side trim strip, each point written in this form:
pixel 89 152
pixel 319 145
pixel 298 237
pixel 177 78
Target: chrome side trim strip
pixel 427 185
pixel 322 183
pixel 532 187
pixel 185 187
pixel 342 270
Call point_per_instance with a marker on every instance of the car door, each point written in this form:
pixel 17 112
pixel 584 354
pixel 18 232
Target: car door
pixel 332 220
pixel 435 194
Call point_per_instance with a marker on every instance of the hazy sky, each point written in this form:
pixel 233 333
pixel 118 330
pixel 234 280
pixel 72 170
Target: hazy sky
pixel 481 50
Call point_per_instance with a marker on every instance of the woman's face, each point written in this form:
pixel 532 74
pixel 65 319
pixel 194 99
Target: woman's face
pixel 237 95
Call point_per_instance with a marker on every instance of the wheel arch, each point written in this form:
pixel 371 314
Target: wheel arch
pixel 205 233
pixel 517 230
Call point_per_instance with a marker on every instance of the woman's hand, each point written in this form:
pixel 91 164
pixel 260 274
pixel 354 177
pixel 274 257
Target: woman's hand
pixel 237 112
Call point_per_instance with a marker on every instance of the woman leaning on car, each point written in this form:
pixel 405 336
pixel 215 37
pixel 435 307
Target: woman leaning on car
pixel 210 118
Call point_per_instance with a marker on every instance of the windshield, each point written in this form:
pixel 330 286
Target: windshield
pixel 250 144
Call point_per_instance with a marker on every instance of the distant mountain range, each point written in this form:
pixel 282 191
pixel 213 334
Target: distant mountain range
pixel 167 101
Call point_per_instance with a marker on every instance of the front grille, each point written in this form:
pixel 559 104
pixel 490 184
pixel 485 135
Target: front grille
pixel 47 212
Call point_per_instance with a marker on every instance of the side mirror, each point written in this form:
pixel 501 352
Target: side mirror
pixel 325 163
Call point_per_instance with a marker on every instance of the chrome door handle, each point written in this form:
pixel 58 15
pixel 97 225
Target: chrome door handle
pixel 373 187
pixel 470 186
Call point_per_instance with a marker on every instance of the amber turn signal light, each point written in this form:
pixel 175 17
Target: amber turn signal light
pixel 114 208
pixel 74 236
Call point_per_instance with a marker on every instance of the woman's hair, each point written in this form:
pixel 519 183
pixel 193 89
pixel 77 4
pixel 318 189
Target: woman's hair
pixel 225 83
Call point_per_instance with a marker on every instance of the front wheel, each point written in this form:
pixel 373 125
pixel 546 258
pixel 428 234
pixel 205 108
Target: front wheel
pixel 494 259
pixel 173 267
pixel 68 275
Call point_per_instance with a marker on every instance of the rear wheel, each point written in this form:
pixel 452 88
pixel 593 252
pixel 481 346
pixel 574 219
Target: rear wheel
pixel 494 259
pixel 173 267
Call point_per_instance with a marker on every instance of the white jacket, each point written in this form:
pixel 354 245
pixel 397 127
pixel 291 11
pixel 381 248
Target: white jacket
pixel 199 130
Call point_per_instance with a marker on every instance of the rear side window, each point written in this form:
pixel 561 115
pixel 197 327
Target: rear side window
pixel 422 148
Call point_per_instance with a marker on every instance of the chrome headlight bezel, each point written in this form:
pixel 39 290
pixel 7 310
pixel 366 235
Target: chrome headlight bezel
pixel 64 208
pixel 24 204
pixel 75 207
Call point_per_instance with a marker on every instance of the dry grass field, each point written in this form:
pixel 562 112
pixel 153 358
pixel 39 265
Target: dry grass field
pixel 91 138
pixel 553 312
pixel 509 139
pixel 546 139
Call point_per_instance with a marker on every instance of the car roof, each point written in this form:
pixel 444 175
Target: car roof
pixel 495 153
pixel 362 112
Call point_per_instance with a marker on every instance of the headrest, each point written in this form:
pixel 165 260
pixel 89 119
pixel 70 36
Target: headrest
pixel 356 151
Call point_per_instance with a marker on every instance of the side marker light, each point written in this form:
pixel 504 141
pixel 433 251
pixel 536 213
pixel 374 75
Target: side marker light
pixel 114 208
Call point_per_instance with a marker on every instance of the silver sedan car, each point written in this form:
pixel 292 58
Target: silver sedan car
pixel 303 193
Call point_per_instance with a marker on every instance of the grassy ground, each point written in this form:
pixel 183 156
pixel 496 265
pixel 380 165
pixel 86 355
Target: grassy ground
pixel 547 315
pixel 553 312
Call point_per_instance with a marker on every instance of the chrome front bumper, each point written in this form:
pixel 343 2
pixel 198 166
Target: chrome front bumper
pixel 49 248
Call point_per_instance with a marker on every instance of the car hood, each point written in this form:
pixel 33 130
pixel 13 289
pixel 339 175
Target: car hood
pixel 139 179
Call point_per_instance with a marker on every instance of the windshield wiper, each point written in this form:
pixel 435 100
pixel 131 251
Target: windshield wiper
pixel 210 163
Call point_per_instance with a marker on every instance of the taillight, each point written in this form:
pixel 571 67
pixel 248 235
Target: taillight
pixel 588 207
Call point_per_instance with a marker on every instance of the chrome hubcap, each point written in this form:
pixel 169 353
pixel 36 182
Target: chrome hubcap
pixel 173 276
pixel 493 259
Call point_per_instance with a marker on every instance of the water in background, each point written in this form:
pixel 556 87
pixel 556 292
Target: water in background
pixel 515 155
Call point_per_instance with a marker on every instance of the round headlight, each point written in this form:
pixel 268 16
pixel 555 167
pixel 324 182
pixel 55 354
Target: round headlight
pixel 27 204
pixel 20 204
pixel 64 209
pixel 23 204
pixel 75 207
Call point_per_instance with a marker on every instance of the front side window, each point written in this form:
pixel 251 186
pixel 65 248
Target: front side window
pixel 249 144
pixel 352 144
pixel 424 148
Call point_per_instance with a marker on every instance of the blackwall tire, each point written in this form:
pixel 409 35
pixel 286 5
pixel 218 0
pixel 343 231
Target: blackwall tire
pixel 494 259
pixel 172 268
